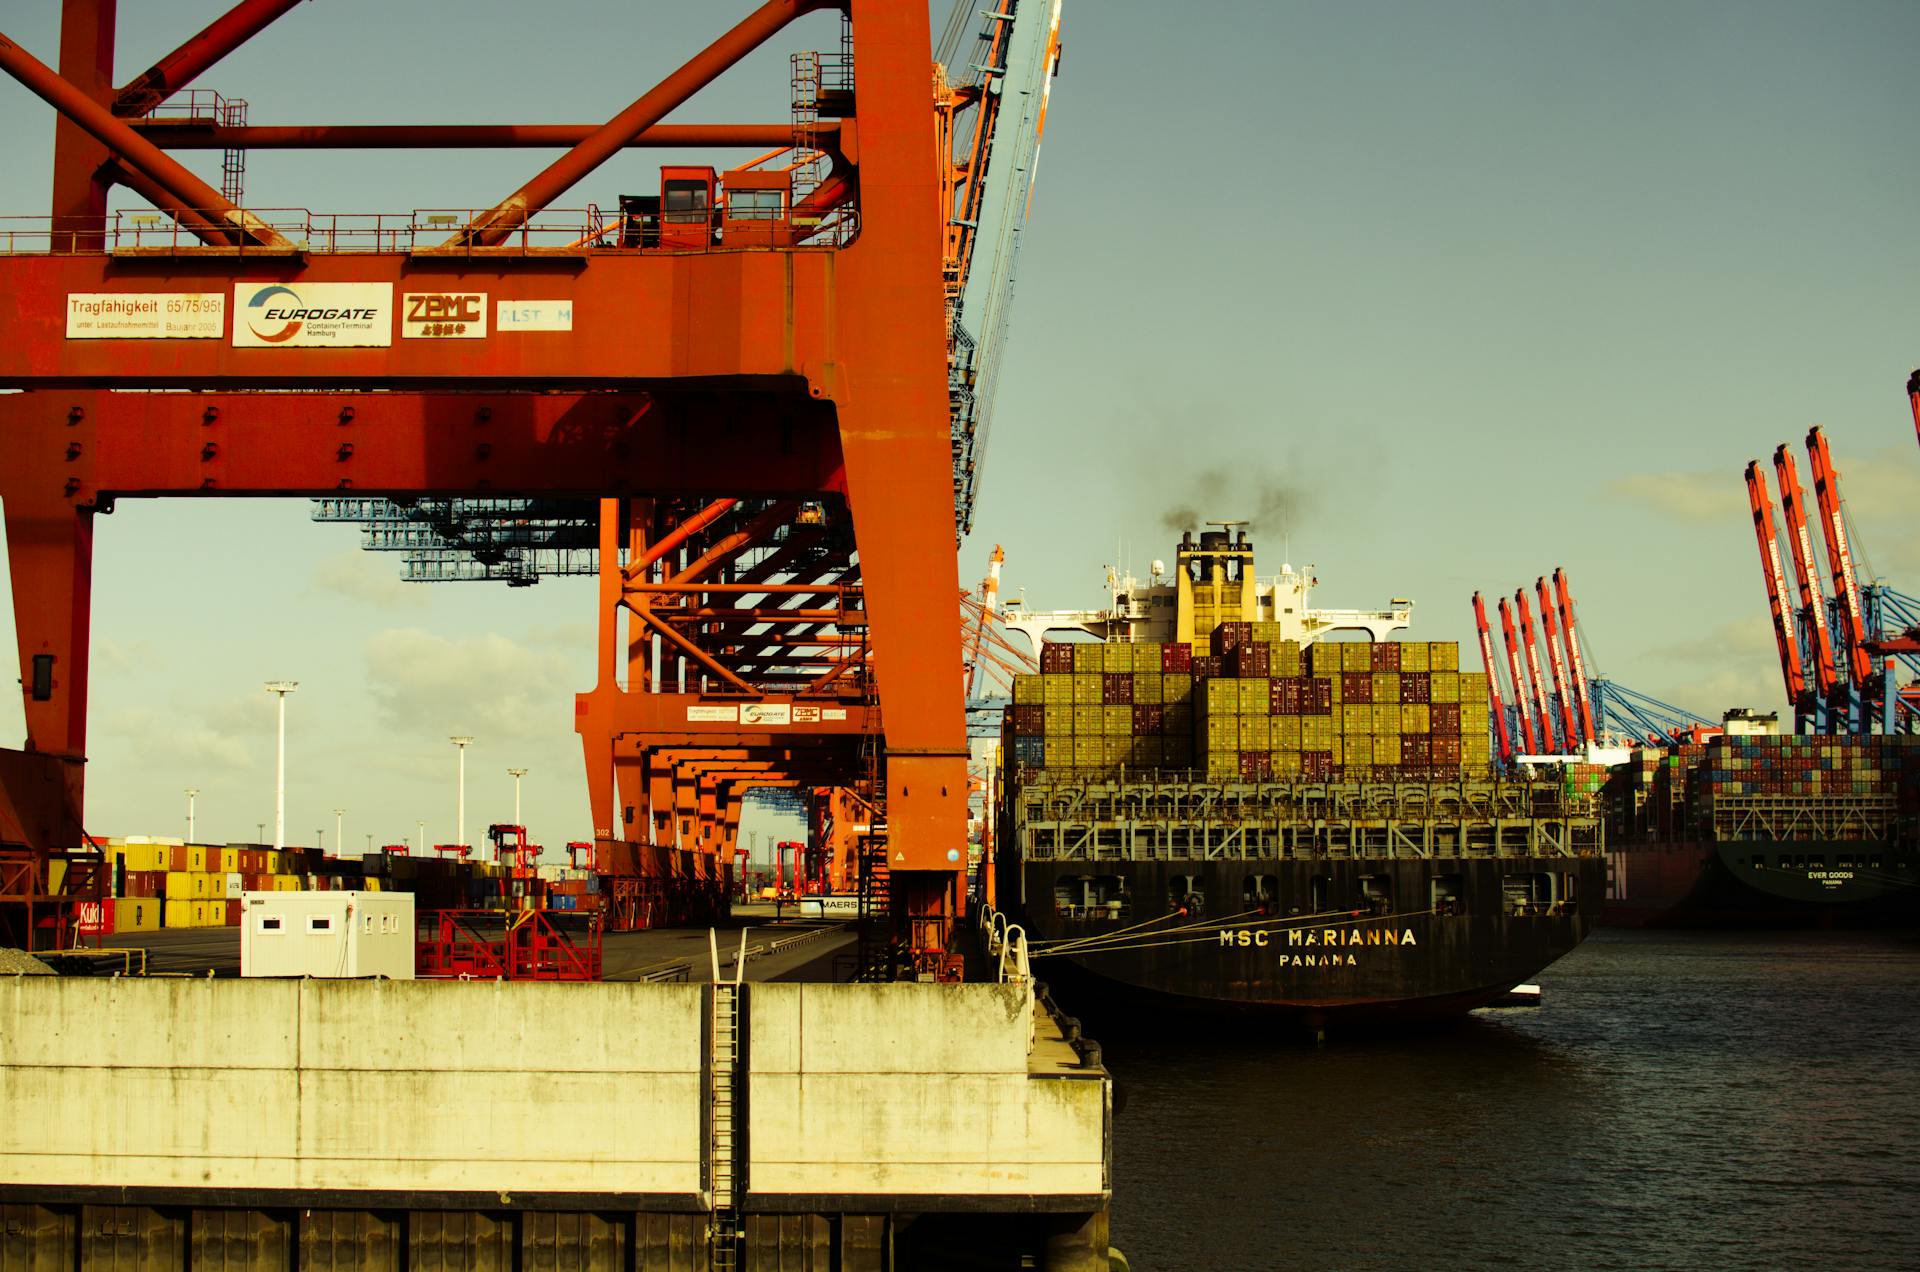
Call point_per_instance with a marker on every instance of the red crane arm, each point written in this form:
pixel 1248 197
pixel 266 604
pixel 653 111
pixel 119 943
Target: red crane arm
pixel 1493 679
pixel 1556 660
pixel 1576 665
pixel 1813 604
pixel 1777 604
pixel 1846 586
pixel 1517 678
pixel 1547 744
pixel 1913 400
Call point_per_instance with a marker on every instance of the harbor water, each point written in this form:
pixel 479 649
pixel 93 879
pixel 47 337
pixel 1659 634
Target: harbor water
pixel 1681 1100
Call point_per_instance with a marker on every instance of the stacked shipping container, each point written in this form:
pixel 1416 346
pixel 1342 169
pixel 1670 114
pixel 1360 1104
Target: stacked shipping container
pixel 1253 707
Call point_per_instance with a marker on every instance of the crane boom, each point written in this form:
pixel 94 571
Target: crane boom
pixel 1813 605
pixel 1791 673
pixel 1846 586
pixel 1539 683
pixel 1517 678
pixel 1576 665
pixel 1556 660
pixel 1493 680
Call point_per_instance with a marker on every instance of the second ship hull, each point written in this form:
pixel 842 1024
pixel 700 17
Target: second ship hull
pixel 1784 883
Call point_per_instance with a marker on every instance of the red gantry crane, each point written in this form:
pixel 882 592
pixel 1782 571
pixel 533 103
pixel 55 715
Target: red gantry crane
pixel 1556 659
pixel 739 392
pixel 1516 676
pixel 1576 665
pixel 1846 586
pixel 1493 681
pixel 1548 741
pixel 1806 573
pixel 1767 538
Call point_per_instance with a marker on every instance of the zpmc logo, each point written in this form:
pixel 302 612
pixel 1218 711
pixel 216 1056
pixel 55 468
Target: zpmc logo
pixel 261 307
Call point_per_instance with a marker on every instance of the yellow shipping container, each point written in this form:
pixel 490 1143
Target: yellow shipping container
pixel 1444 686
pixel 1338 748
pixel 1116 657
pixel 1266 632
pixel 1355 655
pixel 1386 686
pixel 1324 658
pixel 209 913
pixel 1059 721
pixel 1286 658
pixel 1088 750
pixel 1029 689
pixel 1443 655
pixel 1089 721
pixel 1223 733
pixel 1223 696
pixel 1476 750
pixel 1386 718
pixel 1317 733
pixel 190 885
pixel 1059 751
pixel 56 874
pixel 139 856
pixel 1359 749
pixel 178 914
pixel 137 914
pixel 1414 717
pixel 1176 686
pixel 1088 656
pixel 1255 697
pixel 1116 722
pixel 294 883
pixel 1223 767
pixel 1144 753
pixel 1148 688
pixel 1473 689
pixel 223 860
pixel 1415 656
pixel 374 885
pixel 1146 656
pixel 1386 748
pixel 1356 717
pixel 1286 733
pixel 1087 688
pixel 1056 689
pixel 1286 764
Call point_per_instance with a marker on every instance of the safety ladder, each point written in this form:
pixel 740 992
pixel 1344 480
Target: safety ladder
pixel 722 1127
pixel 233 162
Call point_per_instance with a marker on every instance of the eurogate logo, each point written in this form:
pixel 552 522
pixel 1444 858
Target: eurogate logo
pixel 281 315
pixel 290 326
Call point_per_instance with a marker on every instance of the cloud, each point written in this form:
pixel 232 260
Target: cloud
pixel 370 578
pixel 1694 497
pixel 1736 664
pixel 171 739
pixel 428 684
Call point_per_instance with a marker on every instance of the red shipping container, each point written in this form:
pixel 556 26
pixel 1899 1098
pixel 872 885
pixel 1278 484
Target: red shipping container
pixel 145 883
pixel 1318 698
pixel 1356 687
pixel 1385 656
pixel 1030 719
pixel 1176 657
pixel 233 914
pixel 1206 665
pixel 177 859
pixel 1229 636
pixel 1316 766
pixel 1444 717
pixel 1056 656
pixel 1416 749
pixel 1416 687
pixel 1248 660
pixel 1148 719
pixel 1446 750
pixel 1255 766
pixel 1116 689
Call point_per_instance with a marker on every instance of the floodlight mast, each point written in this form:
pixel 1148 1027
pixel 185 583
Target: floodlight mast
pixel 281 688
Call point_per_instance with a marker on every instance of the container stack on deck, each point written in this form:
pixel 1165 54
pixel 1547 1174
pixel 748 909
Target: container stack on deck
pixel 1739 786
pixel 1253 707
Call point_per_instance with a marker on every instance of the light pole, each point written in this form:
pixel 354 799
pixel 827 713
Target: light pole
pixel 460 798
pixel 320 838
pixel 369 841
pixel 339 838
pixel 281 688
pixel 420 840
pixel 191 792
pixel 263 832
pixel 516 775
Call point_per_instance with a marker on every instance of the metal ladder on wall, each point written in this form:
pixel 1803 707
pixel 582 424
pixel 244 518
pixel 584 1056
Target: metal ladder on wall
pixel 723 1072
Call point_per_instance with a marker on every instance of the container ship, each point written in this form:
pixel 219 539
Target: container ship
pixel 1754 828
pixel 1213 809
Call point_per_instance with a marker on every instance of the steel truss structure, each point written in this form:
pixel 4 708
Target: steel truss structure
pixel 1208 821
pixel 735 409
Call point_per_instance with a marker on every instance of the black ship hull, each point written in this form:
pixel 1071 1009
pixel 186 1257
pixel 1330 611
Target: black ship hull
pixel 1770 884
pixel 1316 946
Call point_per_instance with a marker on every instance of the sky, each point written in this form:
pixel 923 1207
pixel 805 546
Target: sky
pixel 1441 296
